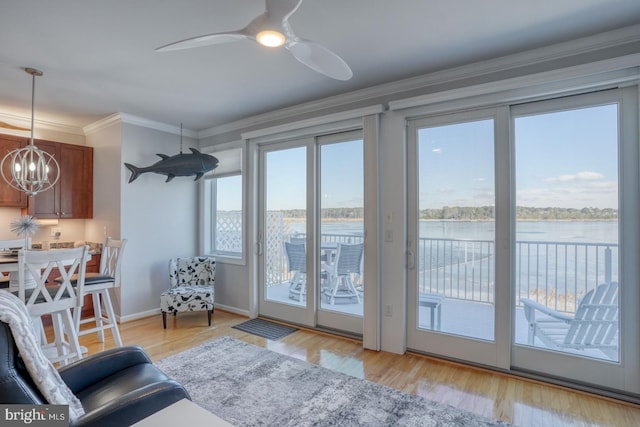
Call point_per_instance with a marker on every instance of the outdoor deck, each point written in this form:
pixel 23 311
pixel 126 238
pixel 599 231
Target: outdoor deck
pixel 459 317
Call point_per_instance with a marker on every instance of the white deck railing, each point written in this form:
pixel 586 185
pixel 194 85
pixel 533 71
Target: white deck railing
pixel 556 274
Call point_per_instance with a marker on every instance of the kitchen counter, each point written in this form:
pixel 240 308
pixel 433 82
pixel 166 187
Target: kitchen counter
pixel 94 248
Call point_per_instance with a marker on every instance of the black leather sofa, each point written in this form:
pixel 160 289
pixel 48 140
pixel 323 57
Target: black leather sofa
pixel 117 387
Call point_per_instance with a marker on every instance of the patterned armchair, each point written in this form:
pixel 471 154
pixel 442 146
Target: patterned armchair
pixel 192 283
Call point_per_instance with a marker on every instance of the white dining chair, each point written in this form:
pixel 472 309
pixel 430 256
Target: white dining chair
pixel 56 300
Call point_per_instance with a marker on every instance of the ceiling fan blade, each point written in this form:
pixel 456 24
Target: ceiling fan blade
pixel 281 10
pixel 206 40
pixel 320 59
pixel 10 126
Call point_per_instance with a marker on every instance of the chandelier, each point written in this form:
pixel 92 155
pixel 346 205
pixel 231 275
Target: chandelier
pixel 30 169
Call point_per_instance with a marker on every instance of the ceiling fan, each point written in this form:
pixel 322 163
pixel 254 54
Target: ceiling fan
pixel 272 29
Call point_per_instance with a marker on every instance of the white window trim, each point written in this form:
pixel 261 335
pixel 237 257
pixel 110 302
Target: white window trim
pixel 205 228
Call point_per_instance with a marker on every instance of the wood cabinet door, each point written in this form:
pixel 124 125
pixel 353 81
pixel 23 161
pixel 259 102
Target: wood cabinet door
pixel 9 196
pixel 76 181
pixel 72 196
pixel 47 203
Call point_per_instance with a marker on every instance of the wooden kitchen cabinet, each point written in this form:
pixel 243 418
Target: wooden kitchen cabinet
pixel 72 196
pixel 10 197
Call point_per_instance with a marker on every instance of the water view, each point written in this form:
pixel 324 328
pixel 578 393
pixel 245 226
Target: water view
pixel 551 231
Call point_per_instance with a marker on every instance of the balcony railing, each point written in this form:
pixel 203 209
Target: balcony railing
pixel 556 274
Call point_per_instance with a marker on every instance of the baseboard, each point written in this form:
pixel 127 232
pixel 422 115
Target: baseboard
pixel 233 310
pixel 140 315
pixel 156 312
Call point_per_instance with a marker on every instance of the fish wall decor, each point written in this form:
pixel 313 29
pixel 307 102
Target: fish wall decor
pixel 181 164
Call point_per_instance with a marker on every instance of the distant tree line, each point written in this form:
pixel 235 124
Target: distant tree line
pixel 522 212
pixel 329 213
pixel 476 213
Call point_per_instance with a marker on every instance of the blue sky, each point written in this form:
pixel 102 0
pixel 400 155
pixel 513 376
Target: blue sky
pixel 341 176
pixel 564 159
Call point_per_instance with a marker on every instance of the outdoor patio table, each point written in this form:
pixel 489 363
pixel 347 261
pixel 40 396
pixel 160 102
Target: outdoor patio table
pixel 432 302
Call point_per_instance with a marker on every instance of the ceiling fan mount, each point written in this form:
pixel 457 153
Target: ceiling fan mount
pixel 272 29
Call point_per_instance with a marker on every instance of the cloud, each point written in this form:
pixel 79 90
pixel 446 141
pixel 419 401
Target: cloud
pixel 446 190
pixel 580 176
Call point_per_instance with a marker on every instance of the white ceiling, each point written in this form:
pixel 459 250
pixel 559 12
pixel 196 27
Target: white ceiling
pixel 98 56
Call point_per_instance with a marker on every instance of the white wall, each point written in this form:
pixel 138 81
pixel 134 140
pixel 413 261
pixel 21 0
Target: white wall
pixel 107 180
pixel 158 219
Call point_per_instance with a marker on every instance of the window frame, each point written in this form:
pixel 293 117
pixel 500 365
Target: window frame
pixel 208 199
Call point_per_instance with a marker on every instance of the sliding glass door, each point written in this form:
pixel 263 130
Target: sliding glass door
pixel 452 229
pixel 312 232
pixel 340 201
pixel 575 257
pixel 523 238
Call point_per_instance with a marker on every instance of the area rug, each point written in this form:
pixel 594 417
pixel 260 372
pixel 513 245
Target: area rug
pixel 265 329
pixel 250 386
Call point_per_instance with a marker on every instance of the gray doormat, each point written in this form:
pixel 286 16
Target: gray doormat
pixel 265 329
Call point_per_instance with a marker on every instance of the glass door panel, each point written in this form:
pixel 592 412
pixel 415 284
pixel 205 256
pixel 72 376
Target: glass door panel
pixel 567 226
pixel 576 233
pixel 456 229
pixel 341 251
pixel 451 298
pixel 284 276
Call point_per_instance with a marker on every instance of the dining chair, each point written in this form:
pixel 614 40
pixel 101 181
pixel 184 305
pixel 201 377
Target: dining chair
pixel 98 285
pixel 347 267
pixel 191 287
pixel 56 300
pixel 9 245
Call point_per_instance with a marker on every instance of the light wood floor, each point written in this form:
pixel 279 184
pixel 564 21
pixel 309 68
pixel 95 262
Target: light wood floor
pixel 499 396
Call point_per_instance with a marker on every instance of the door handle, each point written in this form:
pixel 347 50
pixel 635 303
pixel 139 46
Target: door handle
pixel 411 259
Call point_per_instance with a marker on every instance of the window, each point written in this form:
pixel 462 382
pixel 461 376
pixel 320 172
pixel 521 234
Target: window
pixel 223 207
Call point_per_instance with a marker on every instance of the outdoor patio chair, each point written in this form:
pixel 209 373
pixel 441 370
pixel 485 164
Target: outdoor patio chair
pixel 344 271
pixel 296 264
pixel 594 325
pixel 191 283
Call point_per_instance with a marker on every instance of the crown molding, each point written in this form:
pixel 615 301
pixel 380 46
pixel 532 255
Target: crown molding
pixel 316 121
pixel 120 118
pixel 102 124
pixel 595 75
pixel 557 51
pixel 39 124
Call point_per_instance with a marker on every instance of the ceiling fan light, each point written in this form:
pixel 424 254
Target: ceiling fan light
pixel 270 38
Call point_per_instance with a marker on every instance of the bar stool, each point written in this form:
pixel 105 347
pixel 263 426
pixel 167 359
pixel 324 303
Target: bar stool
pixel 55 300
pixel 98 285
